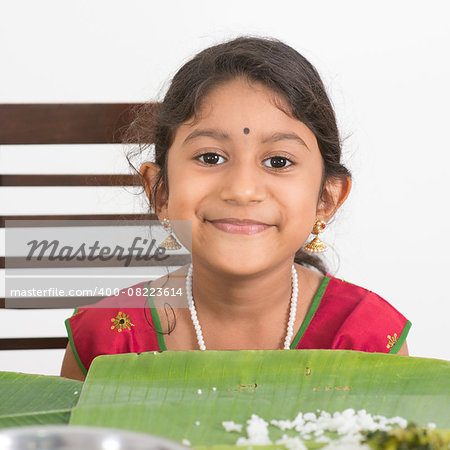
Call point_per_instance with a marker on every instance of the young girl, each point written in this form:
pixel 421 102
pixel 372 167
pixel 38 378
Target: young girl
pixel 247 149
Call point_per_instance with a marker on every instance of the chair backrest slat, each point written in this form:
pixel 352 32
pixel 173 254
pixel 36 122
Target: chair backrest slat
pixel 20 262
pixel 69 123
pixel 108 218
pixel 65 123
pixel 69 180
pixel 37 343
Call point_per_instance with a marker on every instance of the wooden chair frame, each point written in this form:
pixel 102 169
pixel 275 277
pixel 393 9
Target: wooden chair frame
pixel 76 123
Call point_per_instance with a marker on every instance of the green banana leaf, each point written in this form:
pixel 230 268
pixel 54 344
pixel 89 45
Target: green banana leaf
pixel 158 393
pixel 36 399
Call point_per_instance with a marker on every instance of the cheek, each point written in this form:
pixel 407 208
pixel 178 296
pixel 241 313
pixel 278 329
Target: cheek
pixel 301 214
pixel 188 188
pixel 180 188
pixel 184 195
pixel 302 191
pixel 299 200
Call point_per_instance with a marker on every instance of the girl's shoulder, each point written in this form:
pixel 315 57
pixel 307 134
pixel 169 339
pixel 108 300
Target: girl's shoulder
pixel 120 323
pixel 351 295
pixel 355 318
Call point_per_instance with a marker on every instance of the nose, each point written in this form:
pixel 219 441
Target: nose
pixel 243 185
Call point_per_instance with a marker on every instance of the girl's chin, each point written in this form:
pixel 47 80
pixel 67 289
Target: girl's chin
pixel 239 271
pixel 235 259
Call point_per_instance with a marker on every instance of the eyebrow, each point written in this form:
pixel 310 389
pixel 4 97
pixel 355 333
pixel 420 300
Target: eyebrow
pixel 222 136
pixel 285 136
pixel 219 135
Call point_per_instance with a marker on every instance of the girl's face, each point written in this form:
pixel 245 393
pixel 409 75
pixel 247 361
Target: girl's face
pixel 244 159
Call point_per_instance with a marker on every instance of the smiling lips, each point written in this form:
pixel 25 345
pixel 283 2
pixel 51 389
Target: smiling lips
pixel 246 226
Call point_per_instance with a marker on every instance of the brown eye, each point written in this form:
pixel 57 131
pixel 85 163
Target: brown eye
pixel 278 162
pixel 209 158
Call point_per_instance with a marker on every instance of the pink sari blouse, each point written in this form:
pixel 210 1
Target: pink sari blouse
pixel 342 316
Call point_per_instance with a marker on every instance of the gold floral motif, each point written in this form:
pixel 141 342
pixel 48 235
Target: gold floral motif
pixel 121 322
pixel 392 340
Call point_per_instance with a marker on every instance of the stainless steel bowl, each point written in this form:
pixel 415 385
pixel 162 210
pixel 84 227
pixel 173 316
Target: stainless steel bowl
pixel 68 437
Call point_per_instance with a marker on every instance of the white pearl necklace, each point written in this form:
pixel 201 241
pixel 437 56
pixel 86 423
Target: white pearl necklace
pixel 290 326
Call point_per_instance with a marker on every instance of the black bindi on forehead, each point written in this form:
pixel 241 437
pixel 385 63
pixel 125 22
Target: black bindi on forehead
pixel 246 130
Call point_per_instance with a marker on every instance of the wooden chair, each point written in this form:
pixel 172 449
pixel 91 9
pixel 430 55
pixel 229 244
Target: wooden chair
pixel 32 124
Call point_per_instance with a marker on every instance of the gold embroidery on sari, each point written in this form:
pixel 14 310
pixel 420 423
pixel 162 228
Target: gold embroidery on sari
pixel 121 322
pixel 392 340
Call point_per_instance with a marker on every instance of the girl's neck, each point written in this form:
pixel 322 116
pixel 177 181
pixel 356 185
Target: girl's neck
pixel 236 298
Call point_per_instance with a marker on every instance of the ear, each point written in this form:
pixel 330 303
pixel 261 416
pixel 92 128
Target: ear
pixel 149 172
pixel 334 194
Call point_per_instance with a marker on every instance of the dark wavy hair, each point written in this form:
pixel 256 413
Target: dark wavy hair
pixel 266 60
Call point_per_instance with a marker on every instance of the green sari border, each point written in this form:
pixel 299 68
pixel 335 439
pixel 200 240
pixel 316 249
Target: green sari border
pixel 156 321
pixel 312 310
pixel 398 345
pixel 72 343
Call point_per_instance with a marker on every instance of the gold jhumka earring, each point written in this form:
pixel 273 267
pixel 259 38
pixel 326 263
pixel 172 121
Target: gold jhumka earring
pixel 170 243
pixel 316 245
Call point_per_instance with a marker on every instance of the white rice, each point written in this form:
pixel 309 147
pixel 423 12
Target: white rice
pixel 229 425
pixel 347 424
pixel 257 432
pixel 351 442
pixel 322 439
pixel 291 443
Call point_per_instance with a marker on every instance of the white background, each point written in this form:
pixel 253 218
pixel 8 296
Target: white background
pixel 386 68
